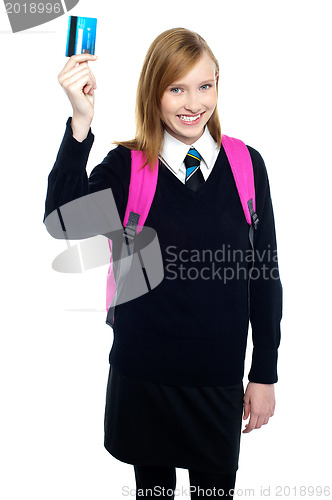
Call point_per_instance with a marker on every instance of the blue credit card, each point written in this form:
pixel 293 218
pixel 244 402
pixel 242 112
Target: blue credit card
pixel 81 37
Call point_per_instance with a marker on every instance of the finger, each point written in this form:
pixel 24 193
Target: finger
pixel 250 425
pixel 67 74
pixel 77 85
pixel 67 79
pixel 78 71
pixel 80 79
pixel 259 422
pixel 77 58
pixel 88 89
pixel 246 412
pixel 74 71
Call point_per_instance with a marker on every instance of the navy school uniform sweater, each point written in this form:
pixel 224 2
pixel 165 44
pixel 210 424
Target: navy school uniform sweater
pixel 192 328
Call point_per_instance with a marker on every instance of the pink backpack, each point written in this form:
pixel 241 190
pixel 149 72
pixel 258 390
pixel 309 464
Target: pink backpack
pixel 141 192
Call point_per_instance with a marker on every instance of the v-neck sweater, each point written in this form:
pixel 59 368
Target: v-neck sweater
pixel 192 328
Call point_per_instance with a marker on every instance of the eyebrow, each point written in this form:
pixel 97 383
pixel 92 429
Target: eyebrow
pixel 208 80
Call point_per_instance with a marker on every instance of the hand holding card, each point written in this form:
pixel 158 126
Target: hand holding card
pixel 76 78
pixel 78 81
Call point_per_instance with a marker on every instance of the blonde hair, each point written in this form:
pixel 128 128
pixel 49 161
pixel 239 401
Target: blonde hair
pixel 170 56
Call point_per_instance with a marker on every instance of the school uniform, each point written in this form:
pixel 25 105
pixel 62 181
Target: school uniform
pixel 175 387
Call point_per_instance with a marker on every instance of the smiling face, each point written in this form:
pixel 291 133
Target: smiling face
pixel 188 103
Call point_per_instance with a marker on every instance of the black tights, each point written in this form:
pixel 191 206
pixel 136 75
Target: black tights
pixel 202 485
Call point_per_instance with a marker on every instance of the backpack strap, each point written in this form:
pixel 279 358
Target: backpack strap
pixel 142 189
pixel 240 161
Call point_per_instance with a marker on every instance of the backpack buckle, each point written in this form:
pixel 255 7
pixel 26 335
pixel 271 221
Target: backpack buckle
pixel 253 215
pixel 131 227
pixel 255 219
pixel 129 232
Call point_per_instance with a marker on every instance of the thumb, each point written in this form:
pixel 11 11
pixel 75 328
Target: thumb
pixel 246 412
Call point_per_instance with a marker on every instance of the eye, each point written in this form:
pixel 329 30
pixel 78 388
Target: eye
pixel 206 86
pixel 175 90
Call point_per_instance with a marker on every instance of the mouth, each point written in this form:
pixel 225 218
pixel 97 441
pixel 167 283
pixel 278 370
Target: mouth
pixel 190 119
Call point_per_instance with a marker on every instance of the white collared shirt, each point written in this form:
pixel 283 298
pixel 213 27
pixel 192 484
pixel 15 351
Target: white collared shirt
pixel 174 152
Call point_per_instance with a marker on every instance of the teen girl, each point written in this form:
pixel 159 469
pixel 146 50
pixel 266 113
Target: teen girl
pixel 175 394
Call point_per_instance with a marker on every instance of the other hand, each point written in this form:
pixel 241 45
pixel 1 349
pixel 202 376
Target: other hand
pixel 259 403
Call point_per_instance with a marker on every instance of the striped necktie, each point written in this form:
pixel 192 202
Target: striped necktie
pixel 194 176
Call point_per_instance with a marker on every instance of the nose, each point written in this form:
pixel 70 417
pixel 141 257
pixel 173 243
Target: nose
pixel 193 102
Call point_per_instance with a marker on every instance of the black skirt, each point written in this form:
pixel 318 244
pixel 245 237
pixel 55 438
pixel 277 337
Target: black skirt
pixel 187 427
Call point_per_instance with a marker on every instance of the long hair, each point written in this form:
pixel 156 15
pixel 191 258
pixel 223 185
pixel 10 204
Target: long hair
pixel 170 56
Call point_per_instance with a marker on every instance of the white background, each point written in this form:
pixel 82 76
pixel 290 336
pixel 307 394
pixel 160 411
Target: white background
pixel 274 94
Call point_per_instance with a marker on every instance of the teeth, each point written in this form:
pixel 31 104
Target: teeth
pixel 189 118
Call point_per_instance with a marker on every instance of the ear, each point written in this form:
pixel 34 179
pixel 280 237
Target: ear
pixel 216 76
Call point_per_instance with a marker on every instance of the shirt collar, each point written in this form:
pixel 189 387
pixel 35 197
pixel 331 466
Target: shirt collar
pixel 174 151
